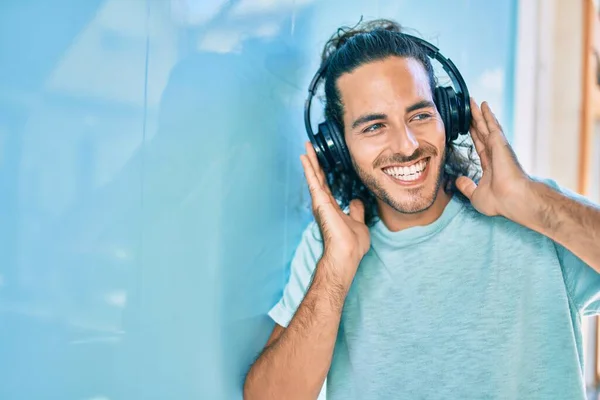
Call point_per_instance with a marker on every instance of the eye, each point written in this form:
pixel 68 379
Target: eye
pixel 421 117
pixel 373 128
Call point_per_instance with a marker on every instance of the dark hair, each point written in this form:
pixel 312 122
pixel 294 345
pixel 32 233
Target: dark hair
pixel 351 47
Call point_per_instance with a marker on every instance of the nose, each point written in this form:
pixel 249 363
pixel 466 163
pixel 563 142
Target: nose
pixel 403 141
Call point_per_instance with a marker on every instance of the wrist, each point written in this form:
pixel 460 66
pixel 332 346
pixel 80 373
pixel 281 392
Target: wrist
pixel 525 206
pixel 519 204
pixel 337 271
pixel 329 291
pixel 341 258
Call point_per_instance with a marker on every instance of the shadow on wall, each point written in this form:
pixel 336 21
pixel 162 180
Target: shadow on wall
pixel 140 249
pixel 155 284
pixel 222 212
pixel 221 206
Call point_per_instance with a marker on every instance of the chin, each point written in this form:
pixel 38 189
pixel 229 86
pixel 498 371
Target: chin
pixel 413 203
pixel 410 189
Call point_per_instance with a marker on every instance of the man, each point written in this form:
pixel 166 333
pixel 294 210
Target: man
pixel 432 285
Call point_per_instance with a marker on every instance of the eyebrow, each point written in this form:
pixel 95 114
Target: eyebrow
pixel 372 117
pixel 419 105
pixel 367 118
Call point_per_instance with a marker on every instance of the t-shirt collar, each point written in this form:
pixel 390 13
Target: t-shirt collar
pixel 416 234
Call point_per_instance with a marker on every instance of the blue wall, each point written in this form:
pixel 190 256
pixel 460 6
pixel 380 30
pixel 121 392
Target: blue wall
pixel 151 193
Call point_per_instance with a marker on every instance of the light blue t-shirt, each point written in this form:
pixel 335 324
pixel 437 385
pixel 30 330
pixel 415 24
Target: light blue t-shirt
pixel 468 307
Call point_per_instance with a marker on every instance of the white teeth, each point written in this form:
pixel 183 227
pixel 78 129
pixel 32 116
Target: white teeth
pixel 410 177
pixel 410 173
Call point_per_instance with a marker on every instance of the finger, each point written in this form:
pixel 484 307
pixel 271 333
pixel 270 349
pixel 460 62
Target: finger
pixel 314 161
pixel 476 135
pixel 479 147
pixel 478 121
pixel 318 195
pixel 357 210
pixel 491 121
pixel 496 140
pixel 466 186
pixel 309 173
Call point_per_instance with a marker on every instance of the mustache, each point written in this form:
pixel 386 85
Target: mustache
pixel 424 150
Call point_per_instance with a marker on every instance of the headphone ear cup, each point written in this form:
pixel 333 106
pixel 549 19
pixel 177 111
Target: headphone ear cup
pixel 332 147
pixel 319 142
pixel 339 150
pixel 446 101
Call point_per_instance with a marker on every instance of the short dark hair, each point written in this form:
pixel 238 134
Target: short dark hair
pixel 346 50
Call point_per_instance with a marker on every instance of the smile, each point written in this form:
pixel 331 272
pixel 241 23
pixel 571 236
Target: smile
pixel 407 173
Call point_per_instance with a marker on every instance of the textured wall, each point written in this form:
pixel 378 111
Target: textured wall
pixel 151 194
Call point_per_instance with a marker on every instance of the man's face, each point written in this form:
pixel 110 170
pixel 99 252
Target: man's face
pixel 394 133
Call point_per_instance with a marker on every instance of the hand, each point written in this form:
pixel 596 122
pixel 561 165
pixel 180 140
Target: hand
pixel 503 183
pixel 345 237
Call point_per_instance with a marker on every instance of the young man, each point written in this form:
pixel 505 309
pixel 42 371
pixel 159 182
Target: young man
pixel 431 286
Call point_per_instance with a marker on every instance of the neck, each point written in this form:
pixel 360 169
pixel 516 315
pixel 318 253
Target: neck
pixel 397 221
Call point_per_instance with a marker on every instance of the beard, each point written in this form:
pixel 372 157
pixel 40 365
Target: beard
pixel 409 200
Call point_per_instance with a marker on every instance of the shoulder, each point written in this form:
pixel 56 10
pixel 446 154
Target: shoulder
pixel 309 249
pixel 563 190
pixel 302 266
pixel 502 233
pixel 470 213
pixel 312 235
pixel 498 231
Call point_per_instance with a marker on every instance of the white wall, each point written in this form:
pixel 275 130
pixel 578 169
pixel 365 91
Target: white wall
pixel 548 100
pixel 547 89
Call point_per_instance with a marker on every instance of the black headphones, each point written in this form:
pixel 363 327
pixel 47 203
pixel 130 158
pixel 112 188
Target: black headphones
pixel 454 108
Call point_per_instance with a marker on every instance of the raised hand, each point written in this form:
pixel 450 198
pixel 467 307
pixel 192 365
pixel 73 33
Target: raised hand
pixel 345 237
pixel 503 181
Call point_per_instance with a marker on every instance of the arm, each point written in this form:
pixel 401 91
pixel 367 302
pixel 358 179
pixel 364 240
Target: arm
pixel 296 364
pixel 505 189
pixel 573 224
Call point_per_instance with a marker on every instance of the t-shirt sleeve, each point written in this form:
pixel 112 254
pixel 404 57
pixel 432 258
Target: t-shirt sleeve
pixel 302 267
pixel 581 280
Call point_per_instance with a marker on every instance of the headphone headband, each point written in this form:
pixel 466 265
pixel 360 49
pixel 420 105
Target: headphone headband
pixel 453 104
pixel 457 80
pixel 311 92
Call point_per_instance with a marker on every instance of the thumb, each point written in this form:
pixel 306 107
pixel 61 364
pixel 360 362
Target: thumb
pixel 466 186
pixel 357 210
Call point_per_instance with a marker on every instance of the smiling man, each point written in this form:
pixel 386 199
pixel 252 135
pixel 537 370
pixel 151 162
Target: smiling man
pixel 406 176
pixel 441 279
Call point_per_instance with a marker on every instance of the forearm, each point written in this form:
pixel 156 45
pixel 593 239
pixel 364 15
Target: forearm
pixel 296 365
pixel 569 222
